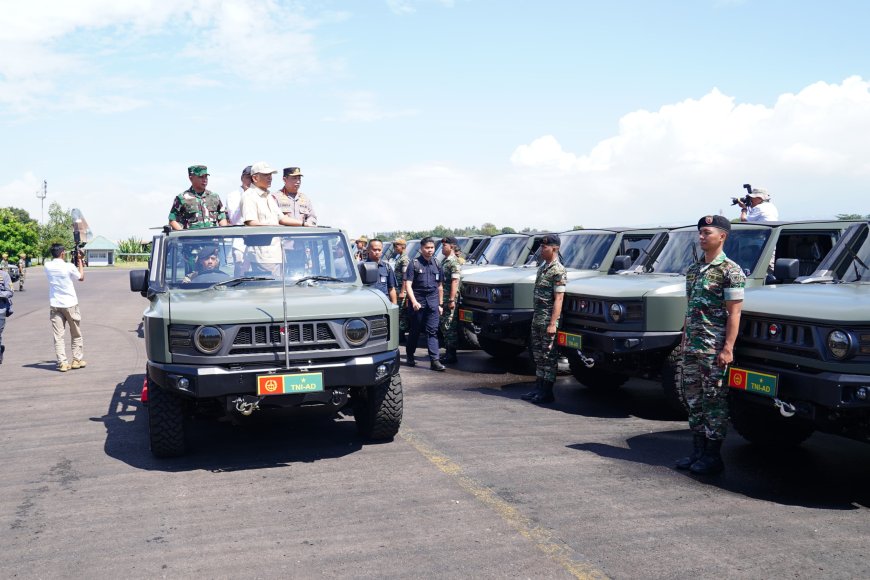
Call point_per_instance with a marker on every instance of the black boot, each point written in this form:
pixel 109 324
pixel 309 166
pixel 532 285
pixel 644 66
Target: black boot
pixel 532 394
pixel 699 443
pixel 437 366
pixel 711 461
pixel 2 350
pixel 450 356
pixel 546 394
pixel 409 360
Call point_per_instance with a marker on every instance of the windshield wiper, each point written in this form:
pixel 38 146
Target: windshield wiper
pixel 240 279
pixel 855 264
pixel 482 257
pixel 319 279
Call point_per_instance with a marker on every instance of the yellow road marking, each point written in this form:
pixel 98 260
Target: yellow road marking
pixel 559 552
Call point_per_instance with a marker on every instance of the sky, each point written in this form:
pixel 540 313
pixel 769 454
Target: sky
pixel 407 114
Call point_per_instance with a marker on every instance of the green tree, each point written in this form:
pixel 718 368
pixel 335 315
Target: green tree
pixel 489 229
pixel 58 229
pixel 851 216
pixel 508 230
pixel 577 228
pixel 18 232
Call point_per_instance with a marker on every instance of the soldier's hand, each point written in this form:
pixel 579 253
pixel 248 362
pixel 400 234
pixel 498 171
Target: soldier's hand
pixel 416 305
pixel 551 330
pixel 725 357
pixel 440 309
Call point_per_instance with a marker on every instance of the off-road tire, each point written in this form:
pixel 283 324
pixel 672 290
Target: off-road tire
pixel 594 379
pixel 377 409
pixel 765 426
pixel 165 422
pixel 500 350
pixel 672 381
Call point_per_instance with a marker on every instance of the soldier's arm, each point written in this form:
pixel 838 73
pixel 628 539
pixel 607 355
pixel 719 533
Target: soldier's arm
pixel 175 225
pixel 286 220
pixel 557 310
pixel 726 355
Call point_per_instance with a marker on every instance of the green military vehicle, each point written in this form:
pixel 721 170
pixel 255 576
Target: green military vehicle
pixel 497 305
pixel 630 325
pixel 242 319
pixel 802 360
pixel 503 251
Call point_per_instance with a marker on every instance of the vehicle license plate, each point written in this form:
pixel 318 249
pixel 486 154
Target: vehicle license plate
pixel 289 384
pixel 466 316
pixel 569 340
pixel 753 382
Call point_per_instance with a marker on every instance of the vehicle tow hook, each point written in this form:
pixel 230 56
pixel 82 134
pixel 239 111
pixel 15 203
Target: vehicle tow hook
pixel 586 360
pixel 785 409
pixel 246 407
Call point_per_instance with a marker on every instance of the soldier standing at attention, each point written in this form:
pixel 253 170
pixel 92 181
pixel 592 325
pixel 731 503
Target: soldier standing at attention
pixel 425 295
pixel 6 292
pixel 22 269
pixel 294 203
pixel 449 322
pixel 4 262
pixel 360 253
pixel 197 207
pixel 386 278
pixel 714 288
pixel 549 293
pixel 399 268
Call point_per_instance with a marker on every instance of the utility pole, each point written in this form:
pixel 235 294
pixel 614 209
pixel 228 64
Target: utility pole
pixel 42 194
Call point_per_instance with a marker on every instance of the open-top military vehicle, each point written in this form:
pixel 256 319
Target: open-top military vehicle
pixel 802 360
pixel 631 324
pixel 497 305
pixel 242 319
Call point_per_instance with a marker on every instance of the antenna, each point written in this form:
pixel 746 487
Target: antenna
pixel 42 194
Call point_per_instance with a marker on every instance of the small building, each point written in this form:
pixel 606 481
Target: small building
pixel 100 252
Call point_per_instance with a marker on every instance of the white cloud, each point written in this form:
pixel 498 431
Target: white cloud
pixel 402 7
pixel 363 107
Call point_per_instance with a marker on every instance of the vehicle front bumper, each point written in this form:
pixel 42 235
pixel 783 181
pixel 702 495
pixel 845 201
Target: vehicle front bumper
pixel 617 343
pixel 513 325
pixel 215 381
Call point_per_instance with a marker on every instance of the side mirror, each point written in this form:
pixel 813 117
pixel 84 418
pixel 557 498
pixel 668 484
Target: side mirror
pixel 139 281
pixel 368 271
pixel 621 263
pixel 786 269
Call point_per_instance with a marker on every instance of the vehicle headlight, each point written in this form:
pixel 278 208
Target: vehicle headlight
pixel 356 331
pixel 495 295
pixel 839 343
pixel 208 339
pixel 617 312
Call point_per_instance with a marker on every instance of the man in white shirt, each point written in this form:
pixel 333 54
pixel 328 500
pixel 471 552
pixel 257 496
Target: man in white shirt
pixel 760 208
pixel 260 208
pixel 234 215
pixel 65 306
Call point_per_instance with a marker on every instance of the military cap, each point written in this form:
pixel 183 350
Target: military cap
pixel 198 170
pixel 292 172
pixel 400 241
pixel 449 240
pixel 715 221
pixel 22 255
pixel 551 240
pixel 362 239
pixel 246 170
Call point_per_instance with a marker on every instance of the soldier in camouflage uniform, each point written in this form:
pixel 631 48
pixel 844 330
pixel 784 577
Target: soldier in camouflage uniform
pixel 197 207
pixel 449 321
pixel 401 264
pixel 549 293
pixel 22 270
pixel 714 288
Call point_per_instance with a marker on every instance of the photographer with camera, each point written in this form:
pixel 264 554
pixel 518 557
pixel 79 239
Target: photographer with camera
pixel 756 205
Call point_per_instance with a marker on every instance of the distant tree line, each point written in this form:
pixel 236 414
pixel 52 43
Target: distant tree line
pixel 852 216
pixel 21 233
pixel 439 231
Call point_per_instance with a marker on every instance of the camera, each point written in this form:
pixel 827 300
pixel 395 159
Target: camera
pixel 745 199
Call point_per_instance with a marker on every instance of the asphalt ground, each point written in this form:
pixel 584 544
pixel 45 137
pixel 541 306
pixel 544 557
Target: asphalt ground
pixel 478 484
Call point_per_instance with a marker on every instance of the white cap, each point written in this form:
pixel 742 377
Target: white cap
pixel 760 192
pixel 262 167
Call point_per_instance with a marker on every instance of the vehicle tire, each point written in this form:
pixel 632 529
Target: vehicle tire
pixel 165 422
pixel 592 378
pixel 377 409
pixel 500 350
pixel 672 381
pixel 765 426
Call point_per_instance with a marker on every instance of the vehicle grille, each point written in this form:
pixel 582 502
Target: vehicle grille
pixel 304 336
pixel 380 327
pixel 786 337
pixel 585 308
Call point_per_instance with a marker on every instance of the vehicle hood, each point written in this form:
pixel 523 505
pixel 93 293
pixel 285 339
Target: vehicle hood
pixel 629 286
pixel 478 268
pixel 822 302
pixel 249 303
pixel 509 275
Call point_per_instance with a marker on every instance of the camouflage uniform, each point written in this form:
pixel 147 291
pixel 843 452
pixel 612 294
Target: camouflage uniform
pixel 449 321
pixel 399 268
pixel 708 286
pixel 551 279
pixel 197 210
pixel 22 268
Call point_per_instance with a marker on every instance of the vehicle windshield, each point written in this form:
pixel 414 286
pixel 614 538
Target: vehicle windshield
pixel 849 261
pixel 682 249
pixel 203 261
pixel 503 251
pixel 412 248
pixel 585 251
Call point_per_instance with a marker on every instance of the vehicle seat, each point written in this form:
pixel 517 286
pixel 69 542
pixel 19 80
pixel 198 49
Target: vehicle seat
pixel 809 255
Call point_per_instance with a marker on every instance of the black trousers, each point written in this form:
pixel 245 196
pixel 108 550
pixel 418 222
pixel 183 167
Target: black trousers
pixel 425 318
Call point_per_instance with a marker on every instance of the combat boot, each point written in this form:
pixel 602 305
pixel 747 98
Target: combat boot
pixel 2 350
pixel 437 366
pixel 546 394
pixel 532 394
pixel 711 461
pixel 450 356
pixel 699 442
pixel 409 360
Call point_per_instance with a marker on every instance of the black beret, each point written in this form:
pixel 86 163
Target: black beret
pixel 715 221
pixel 449 240
pixel 551 240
